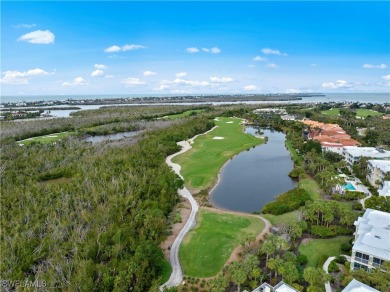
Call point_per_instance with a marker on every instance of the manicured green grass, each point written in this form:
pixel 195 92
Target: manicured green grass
pixel 206 248
pixel 166 271
pixel 200 165
pixel 182 115
pixel 45 139
pixel 361 112
pixel 318 247
pixel 293 152
pixel 311 186
pixel 284 218
pixel 331 112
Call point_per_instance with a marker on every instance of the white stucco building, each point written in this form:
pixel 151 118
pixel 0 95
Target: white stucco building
pixel 352 154
pixel 372 240
pixel 377 170
pixel 356 286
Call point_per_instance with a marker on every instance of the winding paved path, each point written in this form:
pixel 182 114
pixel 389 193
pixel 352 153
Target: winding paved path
pixel 177 273
pixel 328 288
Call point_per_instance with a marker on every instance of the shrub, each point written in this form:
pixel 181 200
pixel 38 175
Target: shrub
pixel 346 247
pixel 340 259
pixel 357 206
pixel 333 267
pixel 333 230
pixel 296 172
pixel 287 202
pixel 302 259
pixel 321 260
pixel 349 196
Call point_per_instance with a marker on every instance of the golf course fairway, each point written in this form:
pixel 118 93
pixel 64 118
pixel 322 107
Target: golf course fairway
pixel 206 248
pixel 201 164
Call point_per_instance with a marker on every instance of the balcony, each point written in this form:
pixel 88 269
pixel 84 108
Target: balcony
pixel 361 260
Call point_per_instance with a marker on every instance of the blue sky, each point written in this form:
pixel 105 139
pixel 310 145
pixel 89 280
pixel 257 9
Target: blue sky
pixel 194 47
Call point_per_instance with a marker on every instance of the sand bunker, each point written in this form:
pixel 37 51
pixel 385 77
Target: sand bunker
pixel 229 122
pixel 51 136
pixel 218 138
pixel 216 119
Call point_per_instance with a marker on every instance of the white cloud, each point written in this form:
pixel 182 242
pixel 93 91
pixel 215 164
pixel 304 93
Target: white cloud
pixel 268 51
pixel 215 50
pixel 38 37
pixel 24 25
pixel 112 49
pixel 221 79
pixel 97 73
pixel 250 88
pixel 78 81
pixel 132 47
pixel 371 66
pixel 162 87
pixel 100 66
pixel 272 65
pixel 251 66
pixel 18 77
pixel 181 74
pixel 149 73
pixel 314 65
pixel 166 82
pixel 133 82
pixel 180 81
pixel 192 50
pixel 108 76
pixel 124 48
pixel 386 77
pixel 336 85
pixel 259 59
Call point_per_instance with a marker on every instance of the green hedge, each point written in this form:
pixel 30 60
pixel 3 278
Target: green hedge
pixel 287 202
pixel 349 196
pixel 333 230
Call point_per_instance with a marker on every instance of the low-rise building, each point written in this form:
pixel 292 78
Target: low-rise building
pixel 356 286
pixel 372 237
pixel 377 170
pixel 352 154
pixel 385 190
pixel 280 287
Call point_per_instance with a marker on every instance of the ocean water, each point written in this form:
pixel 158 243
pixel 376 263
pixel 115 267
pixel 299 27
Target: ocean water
pixel 336 97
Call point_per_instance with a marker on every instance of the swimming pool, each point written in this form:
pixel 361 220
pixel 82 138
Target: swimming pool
pixel 349 186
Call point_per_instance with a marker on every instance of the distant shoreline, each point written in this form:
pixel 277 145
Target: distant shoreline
pixel 96 100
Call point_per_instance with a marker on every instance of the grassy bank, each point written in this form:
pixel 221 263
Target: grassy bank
pixel 298 159
pixel 200 165
pixel 207 247
pixel 46 139
pixel 318 247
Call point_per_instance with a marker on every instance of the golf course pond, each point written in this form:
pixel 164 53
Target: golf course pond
pixel 255 177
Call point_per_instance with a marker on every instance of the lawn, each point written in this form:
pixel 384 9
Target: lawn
pixel 166 271
pixel 284 218
pixel 311 186
pixel 331 112
pixel 293 152
pixel 183 114
pixel 206 248
pixel 361 112
pixel 46 139
pixel 200 165
pixel 318 247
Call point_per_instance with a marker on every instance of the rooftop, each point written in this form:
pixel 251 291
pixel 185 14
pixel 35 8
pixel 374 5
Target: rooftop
pixel 373 230
pixel 356 286
pixel 383 165
pixel 367 152
pixel 385 190
pixel 280 287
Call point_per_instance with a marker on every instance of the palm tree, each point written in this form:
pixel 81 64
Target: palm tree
pixel 237 274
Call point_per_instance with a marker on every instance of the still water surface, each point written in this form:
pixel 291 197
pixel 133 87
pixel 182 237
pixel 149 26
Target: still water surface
pixel 253 178
pixel 117 136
